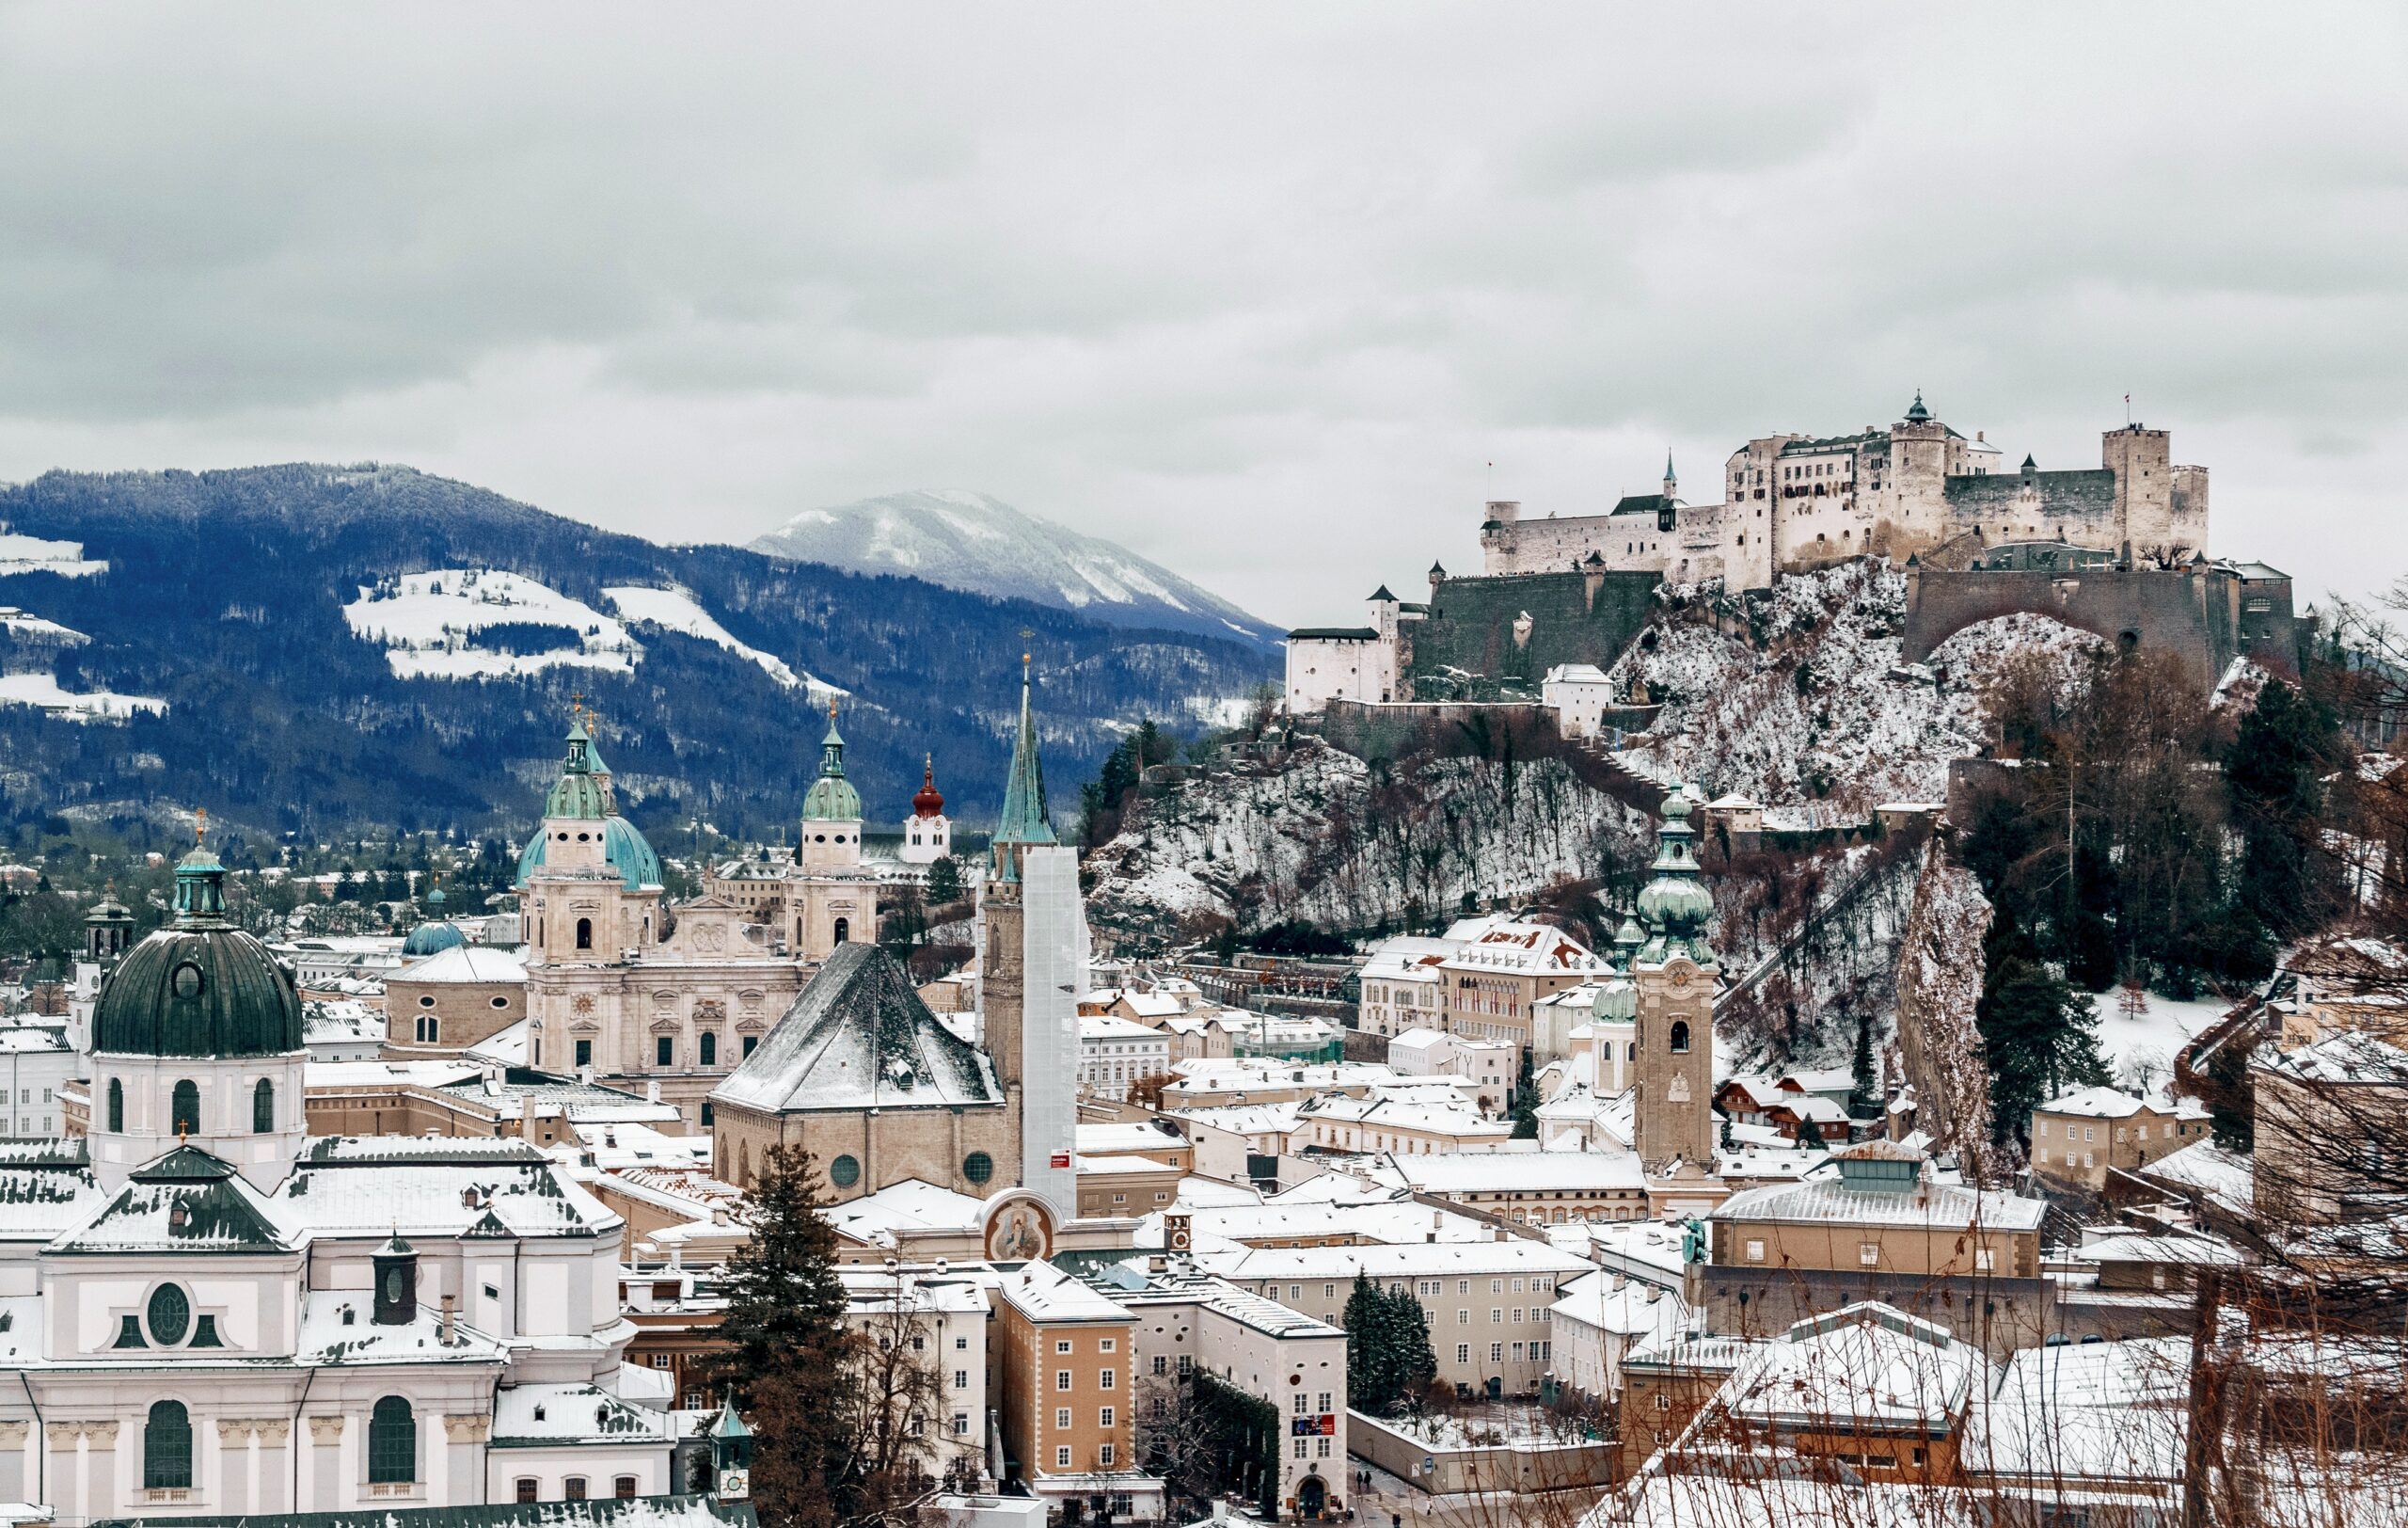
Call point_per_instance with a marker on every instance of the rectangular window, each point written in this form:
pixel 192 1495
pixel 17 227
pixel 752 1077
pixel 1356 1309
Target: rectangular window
pixel 585 1053
pixel 1982 1259
pixel 1161 1364
pixel 1186 1364
pixel 1062 1458
pixel 1103 1380
pixel 1104 1416
pixel 961 1379
pixel 1061 1346
pixel 1301 1450
pixel 574 1488
pixel 1462 1352
pixel 1105 1455
pixel 624 1487
pixel 1497 1352
pixel 1061 1419
pixel 1061 1380
pixel 664 1050
pixel 1755 1251
pixel 962 1423
pixel 1107 1344
pixel 1496 1315
pixel 1868 1254
pixel 527 1487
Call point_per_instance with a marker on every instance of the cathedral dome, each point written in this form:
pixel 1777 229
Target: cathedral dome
pixel 431 938
pixel 624 848
pixel 832 797
pixel 928 800
pixel 200 986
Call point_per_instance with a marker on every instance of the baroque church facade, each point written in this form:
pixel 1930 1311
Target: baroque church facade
pixel 880 1090
pixel 211 1314
pixel 667 999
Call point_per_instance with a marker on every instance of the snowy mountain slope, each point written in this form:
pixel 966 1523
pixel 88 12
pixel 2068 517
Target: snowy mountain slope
pixel 1810 709
pixel 972 542
pixel 677 610
pixel 34 554
pixel 428 625
pixel 1315 836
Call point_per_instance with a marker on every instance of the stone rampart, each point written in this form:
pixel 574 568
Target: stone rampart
pixel 2206 615
pixel 1477 643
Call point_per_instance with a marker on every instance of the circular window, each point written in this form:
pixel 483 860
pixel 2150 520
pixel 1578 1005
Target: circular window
pixel 500 1002
pixel 844 1172
pixel 583 837
pixel 170 1316
pixel 426 1002
pixel 978 1167
pixel 187 980
pixel 819 838
pixel 562 835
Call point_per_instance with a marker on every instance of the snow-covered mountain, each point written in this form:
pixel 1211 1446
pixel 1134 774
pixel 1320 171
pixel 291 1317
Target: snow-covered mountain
pixel 979 543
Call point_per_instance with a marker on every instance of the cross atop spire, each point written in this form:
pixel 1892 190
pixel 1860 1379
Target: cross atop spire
pixel 1024 822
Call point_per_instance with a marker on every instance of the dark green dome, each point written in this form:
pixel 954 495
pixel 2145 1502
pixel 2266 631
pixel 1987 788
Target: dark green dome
pixel 431 938
pixel 201 986
pixel 624 848
pixel 832 797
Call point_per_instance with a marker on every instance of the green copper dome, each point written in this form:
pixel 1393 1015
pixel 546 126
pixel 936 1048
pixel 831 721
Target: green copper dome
pixel 431 938
pixel 832 797
pixel 580 792
pixel 1619 1002
pixel 1674 904
pixel 625 849
pixel 200 986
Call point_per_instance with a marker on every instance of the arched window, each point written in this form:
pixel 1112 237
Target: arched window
pixel 1680 1036
pixel 711 1048
pixel 167 1448
pixel 744 1165
pixel 116 1106
pixel 264 1107
pixel 585 933
pixel 393 1442
pixel 843 930
pixel 183 1108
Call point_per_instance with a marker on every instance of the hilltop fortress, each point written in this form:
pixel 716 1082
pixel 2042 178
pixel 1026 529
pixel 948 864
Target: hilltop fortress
pixel 1792 502
pixel 2121 549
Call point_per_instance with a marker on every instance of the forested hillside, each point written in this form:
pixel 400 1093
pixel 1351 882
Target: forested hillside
pixel 225 594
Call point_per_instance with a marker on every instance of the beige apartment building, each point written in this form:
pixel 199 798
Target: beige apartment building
pixel 1486 1302
pixel 1061 1384
pixel 2079 1139
pixel 1495 980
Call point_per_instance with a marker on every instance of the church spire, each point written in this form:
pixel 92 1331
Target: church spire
pixel 1025 821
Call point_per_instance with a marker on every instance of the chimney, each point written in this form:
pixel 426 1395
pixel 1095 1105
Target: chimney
pixel 450 1318
pixel 652 1091
pixel 585 1074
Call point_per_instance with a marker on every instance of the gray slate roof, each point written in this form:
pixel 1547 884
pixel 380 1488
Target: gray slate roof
pixel 859 1037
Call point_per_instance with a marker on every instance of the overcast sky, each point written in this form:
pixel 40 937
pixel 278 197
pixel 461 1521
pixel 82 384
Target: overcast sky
pixel 1257 291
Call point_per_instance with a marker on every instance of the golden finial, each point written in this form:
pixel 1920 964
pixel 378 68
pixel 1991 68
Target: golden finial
pixel 831 710
pixel 200 826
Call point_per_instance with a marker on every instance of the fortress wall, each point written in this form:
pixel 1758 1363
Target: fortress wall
pixel 2200 614
pixel 1575 618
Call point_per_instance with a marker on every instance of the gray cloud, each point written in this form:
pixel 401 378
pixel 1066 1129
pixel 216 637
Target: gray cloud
pixel 1259 292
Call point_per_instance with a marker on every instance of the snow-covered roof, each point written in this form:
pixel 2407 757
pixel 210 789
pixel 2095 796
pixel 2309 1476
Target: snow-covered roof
pixel 2200 1250
pixel 1634 1310
pixel 1247 1119
pixel 1111 1026
pixel 1126 1136
pixel 1826 1201
pixel 908 1205
pixel 1487 1172
pixel 2084 1411
pixel 465 963
pixel 859 1037
pixel 337 1328
pixel 1576 673
pixel 1867 1367
pixel 553 1415
pixel 2352 1055
pixel 1448 1116
pixel 1504 944
pixel 2208 1170
pixel 1400 1261
pixel 426 1186
pixel 1043 1292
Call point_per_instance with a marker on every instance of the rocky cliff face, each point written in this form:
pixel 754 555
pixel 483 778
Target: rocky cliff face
pixel 1939 981
pixel 1320 834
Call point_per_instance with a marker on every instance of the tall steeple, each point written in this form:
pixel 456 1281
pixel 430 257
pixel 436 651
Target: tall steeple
pixel 1672 479
pixel 1024 822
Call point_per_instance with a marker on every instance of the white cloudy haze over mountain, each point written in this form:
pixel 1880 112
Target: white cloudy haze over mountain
pixel 1257 292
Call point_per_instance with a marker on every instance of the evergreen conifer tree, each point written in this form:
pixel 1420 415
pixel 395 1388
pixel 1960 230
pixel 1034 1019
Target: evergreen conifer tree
pixel 786 1347
pixel 1864 1095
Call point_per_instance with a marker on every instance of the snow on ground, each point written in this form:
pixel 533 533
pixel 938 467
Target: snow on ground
pixel 92 705
pixel 32 554
pixel 429 622
pixel 1811 710
pixel 22 623
pixel 676 609
pixel 2139 1050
